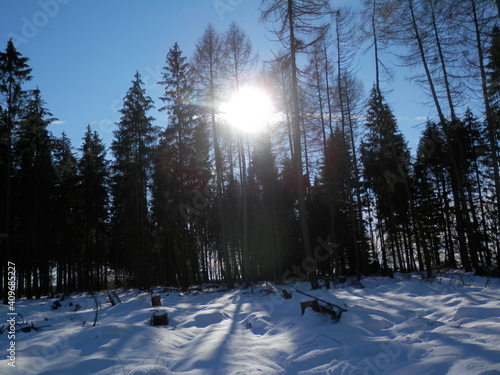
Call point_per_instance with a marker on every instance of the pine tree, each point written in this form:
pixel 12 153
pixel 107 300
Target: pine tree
pixel 430 198
pixel 34 181
pixel 267 223
pixel 493 94
pixel 132 149
pixel 93 192
pixel 334 176
pixel 385 158
pixel 66 226
pixel 181 172
pixel 14 72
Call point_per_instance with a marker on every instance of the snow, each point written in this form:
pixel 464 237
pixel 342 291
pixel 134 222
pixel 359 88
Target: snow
pixel 405 325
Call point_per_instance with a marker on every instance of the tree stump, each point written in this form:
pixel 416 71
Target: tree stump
pixel 156 300
pixel 159 319
pixel 113 298
pixel 286 294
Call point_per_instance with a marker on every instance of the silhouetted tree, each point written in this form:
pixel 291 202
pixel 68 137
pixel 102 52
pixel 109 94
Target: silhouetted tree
pixel 181 171
pixel 385 157
pixel 66 223
pixel 208 73
pixel 94 204
pixel 14 73
pixel 132 149
pixel 239 61
pixel 298 26
pixel 34 181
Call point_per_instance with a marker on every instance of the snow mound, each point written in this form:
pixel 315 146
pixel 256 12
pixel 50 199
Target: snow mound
pixel 205 319
pixel 476 312
pixel 151 370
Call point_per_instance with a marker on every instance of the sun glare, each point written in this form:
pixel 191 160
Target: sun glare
pixel 249 110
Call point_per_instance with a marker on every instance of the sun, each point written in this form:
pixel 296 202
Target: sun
pixel 249 110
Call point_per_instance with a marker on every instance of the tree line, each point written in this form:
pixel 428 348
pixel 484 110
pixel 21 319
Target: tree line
pixel 330 188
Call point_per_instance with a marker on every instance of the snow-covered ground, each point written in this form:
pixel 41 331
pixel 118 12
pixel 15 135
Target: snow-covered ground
pixel 393 326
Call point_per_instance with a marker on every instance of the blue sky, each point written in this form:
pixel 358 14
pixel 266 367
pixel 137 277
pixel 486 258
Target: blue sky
pixel 84 54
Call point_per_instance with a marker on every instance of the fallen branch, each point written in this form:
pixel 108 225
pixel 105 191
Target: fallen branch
pixel 284 293
pixel 319 299
pixel 328 337
pixel 31 328
pixel 330 308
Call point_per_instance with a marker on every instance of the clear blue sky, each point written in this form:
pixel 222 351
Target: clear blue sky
pixel 84 53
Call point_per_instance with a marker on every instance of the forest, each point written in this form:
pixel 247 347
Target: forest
pixel 329 187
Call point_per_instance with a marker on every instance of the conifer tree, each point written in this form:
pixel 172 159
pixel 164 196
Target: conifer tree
pixel 334 177
pixel 93 192
pixel 239 62
pixel 181 172
pixel 493 96
pixel 267 223
pixel 132 149
pixel 385 158
pixel 34 181
pixel 14 72
pixel 299 25
pixel 66 224
pixel 208 73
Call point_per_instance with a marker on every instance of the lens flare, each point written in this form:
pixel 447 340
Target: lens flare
pixel 249 110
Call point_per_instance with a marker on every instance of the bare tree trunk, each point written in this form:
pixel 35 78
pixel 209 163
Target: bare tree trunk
pixel 339 75
pixel 375 47
pixel 328 94
pixel 442 63
pixel 220 204
pixel 425 64
pixel 296 137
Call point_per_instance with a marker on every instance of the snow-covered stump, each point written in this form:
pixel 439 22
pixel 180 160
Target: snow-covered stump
pixel 159 318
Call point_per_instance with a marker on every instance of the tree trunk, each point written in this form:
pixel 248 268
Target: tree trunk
pixel 296 141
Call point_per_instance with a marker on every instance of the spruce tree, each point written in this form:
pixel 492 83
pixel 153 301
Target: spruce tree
pixel 14 72
pixel 493 129
pixel 385 158
pixel 93 192
pixel 66 227
pixel 132 149
pixel 335 175
pixel 181 173
pixel 34 180
pixel 267 225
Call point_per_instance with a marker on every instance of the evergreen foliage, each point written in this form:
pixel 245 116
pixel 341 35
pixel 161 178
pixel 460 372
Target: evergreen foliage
pixel 133 151
pixel 328 189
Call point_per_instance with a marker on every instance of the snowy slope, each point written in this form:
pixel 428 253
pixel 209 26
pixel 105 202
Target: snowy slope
pixel 393 326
